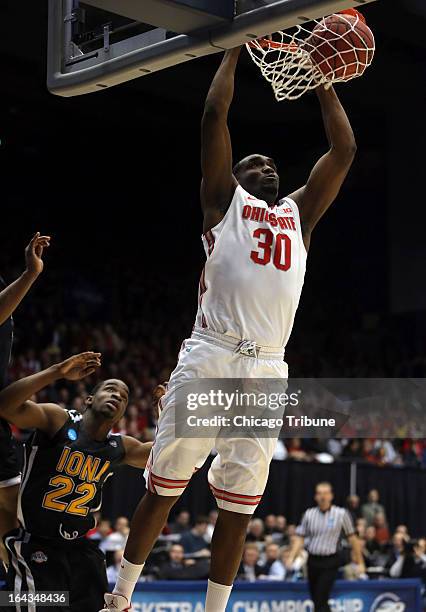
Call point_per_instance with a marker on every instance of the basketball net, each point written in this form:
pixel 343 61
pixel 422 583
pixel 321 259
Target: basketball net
pixel 286 62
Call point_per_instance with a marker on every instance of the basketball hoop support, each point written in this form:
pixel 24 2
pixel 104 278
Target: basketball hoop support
pixel 71 72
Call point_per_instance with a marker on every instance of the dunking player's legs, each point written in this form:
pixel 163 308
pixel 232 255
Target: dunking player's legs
pixel 226 552
pixel 227 546
pixel 147 523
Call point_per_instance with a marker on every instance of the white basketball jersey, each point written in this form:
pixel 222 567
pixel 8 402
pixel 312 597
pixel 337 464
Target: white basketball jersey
pixel 252 281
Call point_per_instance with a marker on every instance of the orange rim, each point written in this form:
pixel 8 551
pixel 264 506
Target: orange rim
pixel 272 44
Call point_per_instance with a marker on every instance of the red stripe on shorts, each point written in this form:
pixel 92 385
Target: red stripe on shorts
pixel 169 481
pixel 236 501
pixel 230 494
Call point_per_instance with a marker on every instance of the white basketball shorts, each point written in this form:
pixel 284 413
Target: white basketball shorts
pixel 239 472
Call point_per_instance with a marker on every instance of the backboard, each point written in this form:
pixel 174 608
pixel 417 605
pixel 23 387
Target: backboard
pixel 97 44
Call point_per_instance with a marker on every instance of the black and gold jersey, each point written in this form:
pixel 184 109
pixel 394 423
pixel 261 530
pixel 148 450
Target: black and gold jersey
pixel 63 478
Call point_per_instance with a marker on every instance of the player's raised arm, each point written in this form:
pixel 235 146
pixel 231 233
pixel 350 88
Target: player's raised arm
pixel 330 171
pixel 12 296
pixel 218 183
pixel 137 453
pixel 16 408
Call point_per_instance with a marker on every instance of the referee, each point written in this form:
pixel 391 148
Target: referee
pixel 322 527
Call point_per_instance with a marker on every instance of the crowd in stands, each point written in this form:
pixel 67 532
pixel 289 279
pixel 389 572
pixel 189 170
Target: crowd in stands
pixel 141 347
pixel 183 550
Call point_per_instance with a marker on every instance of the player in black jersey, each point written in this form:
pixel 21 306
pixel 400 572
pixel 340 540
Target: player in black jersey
pixel 10 298
pixel 66 464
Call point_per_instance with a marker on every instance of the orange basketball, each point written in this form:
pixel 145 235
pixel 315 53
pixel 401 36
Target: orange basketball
pixel 343 45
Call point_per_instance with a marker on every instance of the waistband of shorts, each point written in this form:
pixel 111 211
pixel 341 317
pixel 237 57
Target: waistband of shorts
pixel 25 536
pixel 273 353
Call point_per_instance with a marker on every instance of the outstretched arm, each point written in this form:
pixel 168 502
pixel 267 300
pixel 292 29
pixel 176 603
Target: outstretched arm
pixel 16 408
pixel 219 183
pixel 330 171
pixel 137 453
pixel 12 296
pixel 295 550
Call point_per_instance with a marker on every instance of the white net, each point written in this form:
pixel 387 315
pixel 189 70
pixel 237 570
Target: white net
pixel 334 49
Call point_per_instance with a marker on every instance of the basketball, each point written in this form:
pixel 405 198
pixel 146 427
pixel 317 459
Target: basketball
pixel 343 46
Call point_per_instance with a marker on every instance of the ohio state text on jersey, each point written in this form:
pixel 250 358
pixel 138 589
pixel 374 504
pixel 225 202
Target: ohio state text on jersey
pixel 256 262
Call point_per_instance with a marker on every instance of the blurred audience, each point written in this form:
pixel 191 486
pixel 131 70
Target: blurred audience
pixel 177 567
pixel 182 522
pixel 116 540
pixel 250 569
pixel 194 541
pixel 185 554
pixel 372 507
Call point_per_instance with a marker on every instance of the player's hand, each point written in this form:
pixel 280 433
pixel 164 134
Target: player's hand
pixel 157 394
pixel 34 254
pixel 79 366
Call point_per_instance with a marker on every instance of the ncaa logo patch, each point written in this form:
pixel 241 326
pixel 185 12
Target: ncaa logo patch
pixel 72 434
pixel 39 557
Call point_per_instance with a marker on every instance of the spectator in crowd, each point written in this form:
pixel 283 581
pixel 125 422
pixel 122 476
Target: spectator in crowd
pixel 182 522
pixel 270 524
pixel 385 451
pixel 372 507
pixel 194 542
pixel 279 535
pixel 353 507
pixel 353 450
pixel 352 571
pixel 421 548
pixel 382 531
pixel 412 453
pixel 213 514
pixel 372 546
pixel 250 568
pixel 272 554
pixel 117 539
pixel 296 451
pixel 360 527
pixel 102 530
pixel 404 530
pixel 112 570
pixel 295 569
pixel 179 568
pixel 255 531
pixel 406 562
pixel 394 561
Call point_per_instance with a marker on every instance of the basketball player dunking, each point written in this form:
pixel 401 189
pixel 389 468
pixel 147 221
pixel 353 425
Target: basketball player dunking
pixel 256 247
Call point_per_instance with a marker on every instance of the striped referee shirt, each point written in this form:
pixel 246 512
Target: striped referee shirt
pixel 323 529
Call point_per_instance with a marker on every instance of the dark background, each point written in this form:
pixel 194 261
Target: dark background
pixel 114 178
